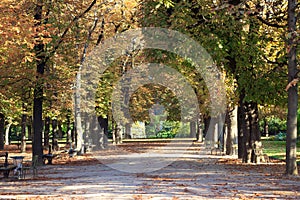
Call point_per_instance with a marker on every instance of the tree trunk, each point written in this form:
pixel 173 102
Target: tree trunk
pixel 2 130
pixel 103 122
pixel 29 128
pixel 255 135
pixel 241 129
pixel 232 132
pixel 37 148
pixel 54 134
pixel 211 136
pixel 266 127
pixel 47 131
pixel 199 135
pixel 206 120
pixel 291 148
pixel 7 129
pixel 192 129
pixel 68 129
pixel 114 138
pixel 59 130
pixel 117 135
pixel 221 133
pixel 127 134
pixel 74 134
pixel 23 133
pixel 79 139
pixel 249 132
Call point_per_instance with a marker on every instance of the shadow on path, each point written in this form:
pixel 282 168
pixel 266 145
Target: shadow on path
pixel 194 175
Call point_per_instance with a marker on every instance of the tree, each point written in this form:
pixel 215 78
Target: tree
pixel 291 150
pixel 15 58
pixel 249 47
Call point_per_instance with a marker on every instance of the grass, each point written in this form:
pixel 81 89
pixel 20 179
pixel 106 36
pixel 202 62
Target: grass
pixel 277 149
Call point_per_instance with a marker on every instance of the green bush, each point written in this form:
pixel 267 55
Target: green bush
pixel 166 129
pixel 275 125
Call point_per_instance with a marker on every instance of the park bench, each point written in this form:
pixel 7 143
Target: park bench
pixel 50 156
pixel 6 168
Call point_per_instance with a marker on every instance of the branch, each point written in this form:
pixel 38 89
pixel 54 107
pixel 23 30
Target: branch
pixel 7 77
pixel 256 14
pixel 276 62
pixel 91 30
pixel 101 35
pixel 15 81
pixel 269 23
pixel 69 26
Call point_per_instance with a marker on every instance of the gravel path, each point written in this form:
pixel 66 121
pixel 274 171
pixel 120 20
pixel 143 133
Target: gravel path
pixel 195 175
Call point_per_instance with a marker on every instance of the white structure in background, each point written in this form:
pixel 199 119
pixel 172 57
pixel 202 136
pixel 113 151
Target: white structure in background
pixel 138 130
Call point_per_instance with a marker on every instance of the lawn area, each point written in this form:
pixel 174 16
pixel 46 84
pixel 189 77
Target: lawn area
pixel 276 149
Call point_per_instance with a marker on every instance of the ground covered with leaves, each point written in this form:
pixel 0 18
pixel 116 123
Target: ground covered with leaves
pixel 193 175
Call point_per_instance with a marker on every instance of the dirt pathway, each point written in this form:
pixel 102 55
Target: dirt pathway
pixel 193 176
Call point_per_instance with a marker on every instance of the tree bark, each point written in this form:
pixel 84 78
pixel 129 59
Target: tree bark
pixel 103 122
pixel 7 129
pixel 266 127
pixel 211 136
pixel 249 132
pixel 232 131
pixel 255 134
pixel 68 129
pixel 117 135
pixel 37 149
pixel 192 129
pixel 199 135
pixel 291 148
pixel 74 134
pixel 114 138
pixel 206 120
pixel 2 130
pixel 47 131
pixel 60 130
pixel 29 128
pixel 23 132
pixel 228 136
pixel 54 134
pixel 127 134
pixel 241 129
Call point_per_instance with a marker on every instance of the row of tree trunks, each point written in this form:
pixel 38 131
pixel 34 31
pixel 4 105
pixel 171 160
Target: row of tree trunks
pixel 248 130
pixel 25 120
pixel 240 133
